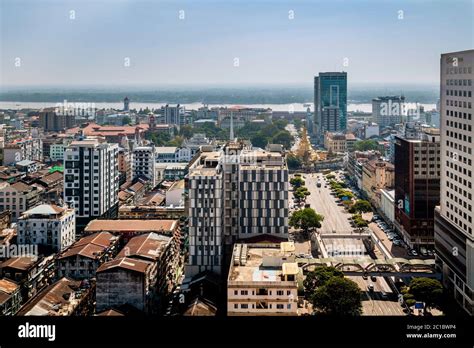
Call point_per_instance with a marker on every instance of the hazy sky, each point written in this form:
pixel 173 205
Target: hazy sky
pixel 202 48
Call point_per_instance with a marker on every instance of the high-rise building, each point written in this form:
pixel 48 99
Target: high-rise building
pixel 417 175
pixel 173 115
pixel 91 178
pixel 52 121
pixel 330 103
pixel 234 194
pixel 388 111
pixel 205 215
pixel 454 238
pixel 144 163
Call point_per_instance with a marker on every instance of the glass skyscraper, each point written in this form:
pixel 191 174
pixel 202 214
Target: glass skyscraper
pixel 330 103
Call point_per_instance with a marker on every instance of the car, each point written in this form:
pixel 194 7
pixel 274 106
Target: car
pixel 390 238
pixel 370 287
pixel 414 253
pixel 365 277
pixel 373 278
pixel 383 294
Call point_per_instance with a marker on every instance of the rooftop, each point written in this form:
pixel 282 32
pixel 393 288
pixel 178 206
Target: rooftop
pixel 148 246
pixel 92 246
pixel 45 209
pixel 57 299
pixel 262 262
pixel 21 263
pixel 131 225
pixel 165 149
pixel 97 130
pixel 127 263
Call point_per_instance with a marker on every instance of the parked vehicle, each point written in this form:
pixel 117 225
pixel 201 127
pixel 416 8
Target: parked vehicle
pixel 373 278
pixel 370 287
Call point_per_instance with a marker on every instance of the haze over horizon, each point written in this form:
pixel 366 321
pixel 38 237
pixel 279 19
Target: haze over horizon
pixel 134 44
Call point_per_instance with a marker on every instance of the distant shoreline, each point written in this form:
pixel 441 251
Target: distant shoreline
pixel 298 107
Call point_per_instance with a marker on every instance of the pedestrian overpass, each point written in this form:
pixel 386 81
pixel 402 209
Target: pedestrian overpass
pixel 365 266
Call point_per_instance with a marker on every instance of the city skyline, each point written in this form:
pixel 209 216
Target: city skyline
pixel 211 43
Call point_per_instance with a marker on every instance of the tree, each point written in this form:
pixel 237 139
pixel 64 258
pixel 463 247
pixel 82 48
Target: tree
pixel 330 176
pixel 298 123
pixel 186 131
pixel 297 181
pixel 347 204
pixel 284 138
pixel 293 162
pixel 426 290
pixel 126 120
pixel 339 296
pixel 281 123
pixel 362 206
pixel 306 219
pixel 176 141
pixel 365 145
pixel 301 193
pixel 319 277
pixel 359 221
pixel 345 193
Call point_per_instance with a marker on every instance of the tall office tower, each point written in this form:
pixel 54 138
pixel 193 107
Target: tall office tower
pixel 454 239
pixel 388 111
pixel 126 104
pixel 234 194
pixel 144 163
pixel 52 121
pixel 330 103
pixel 91 179
pixel 417 185
pixel 173 115
pixel 205 215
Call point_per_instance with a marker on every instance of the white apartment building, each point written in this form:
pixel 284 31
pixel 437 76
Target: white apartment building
pixel 29 148
pixel 454 225
pixel 48 226
pixel 144 164
pixel 18 197
pixel 91 177
pixel 262 280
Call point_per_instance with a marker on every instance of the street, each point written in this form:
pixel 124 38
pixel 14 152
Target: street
pixel 321 200
pixel 372 301
pixel 336 219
